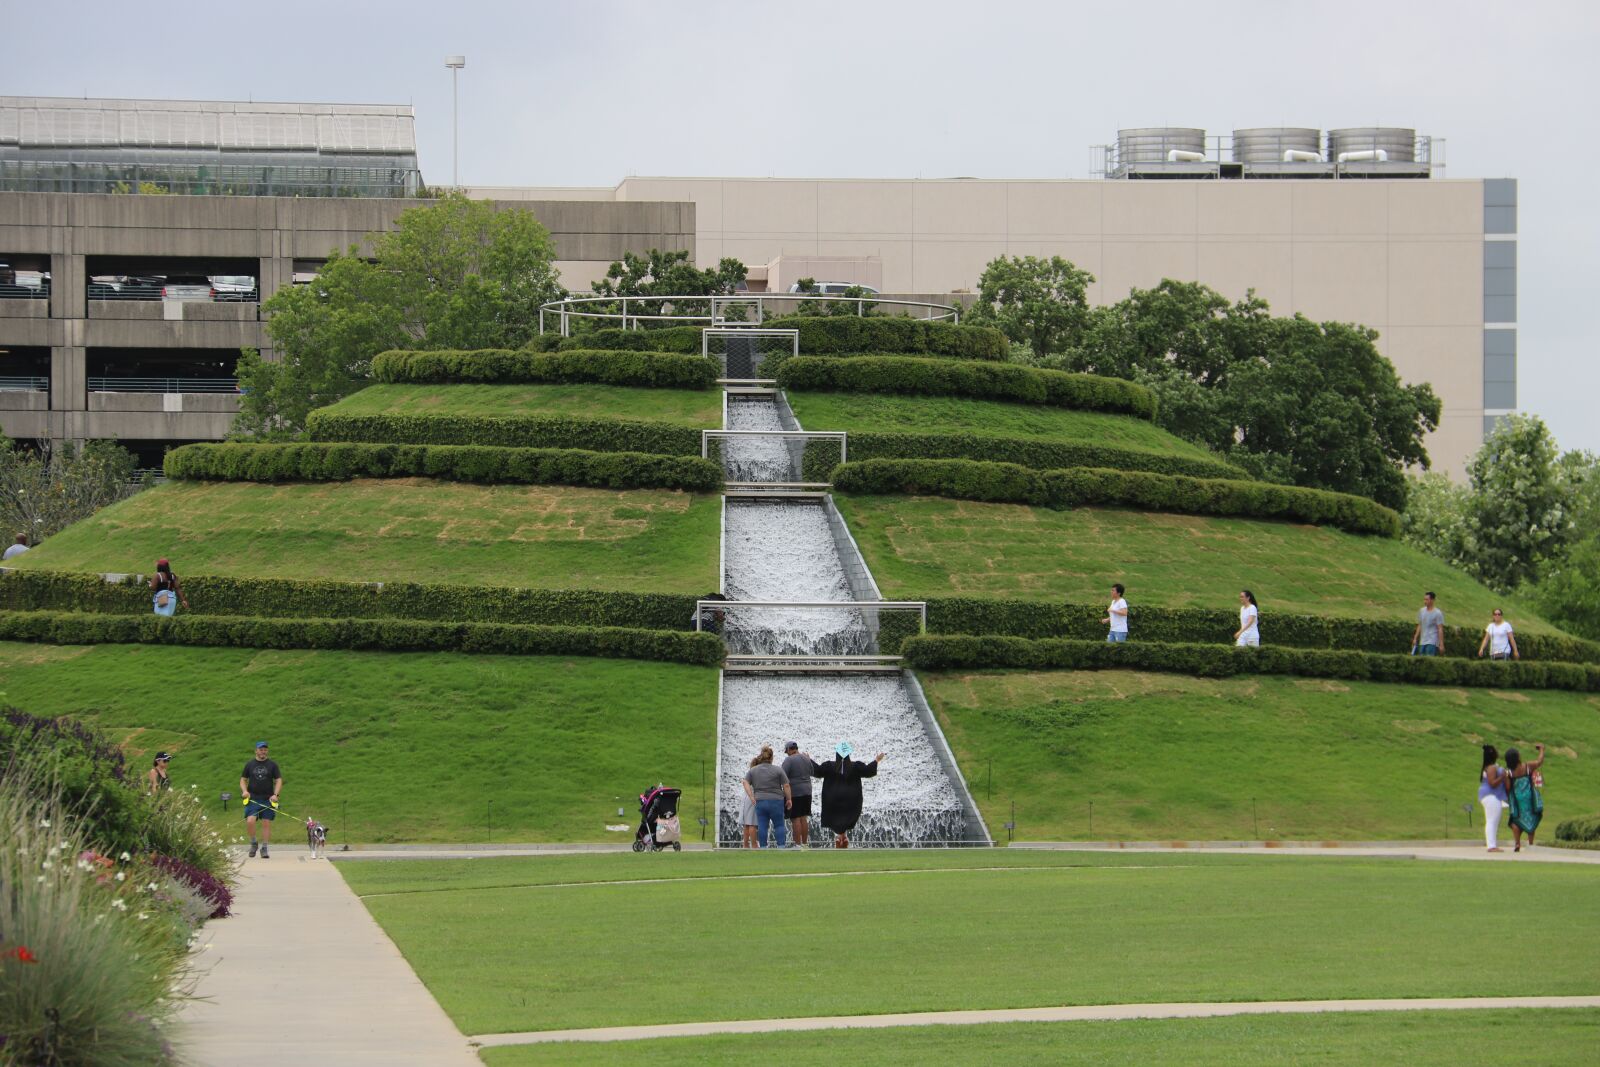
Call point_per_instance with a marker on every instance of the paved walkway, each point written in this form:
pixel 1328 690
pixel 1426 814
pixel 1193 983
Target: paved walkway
pixel 301 974
pixel 1101 1012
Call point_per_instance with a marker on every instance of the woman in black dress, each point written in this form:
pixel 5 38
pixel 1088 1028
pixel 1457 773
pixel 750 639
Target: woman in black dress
pixel 841 791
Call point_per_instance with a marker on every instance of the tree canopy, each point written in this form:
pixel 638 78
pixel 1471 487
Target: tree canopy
pixel 455 274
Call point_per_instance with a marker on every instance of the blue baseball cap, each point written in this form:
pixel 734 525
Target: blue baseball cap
pixel 261 744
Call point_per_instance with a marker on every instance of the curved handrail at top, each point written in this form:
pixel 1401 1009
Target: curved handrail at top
pixel 616 310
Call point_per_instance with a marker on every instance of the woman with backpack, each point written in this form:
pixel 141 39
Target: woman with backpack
pixel 1527 806
pixel 167 593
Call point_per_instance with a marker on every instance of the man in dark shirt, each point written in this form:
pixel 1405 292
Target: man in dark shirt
pixel 801 769
pixel 260 782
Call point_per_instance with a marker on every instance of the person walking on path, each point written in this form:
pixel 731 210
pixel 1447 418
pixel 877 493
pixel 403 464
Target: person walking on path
pixel 21 546
pixel 747 813
pixel 1249 634
pixel 168 594
pixel 768 786
pixel 261 782
pixel 1499 639
pixel 841 791
pixel 1116 616
pixel 800 768
pixel 1428 638
pixel 159 780
pixel 1492 795
pixel 1527 806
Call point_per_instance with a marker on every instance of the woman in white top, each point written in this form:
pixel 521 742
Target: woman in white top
pixel 1499 639
pixel 1116 616
pixel 1249 621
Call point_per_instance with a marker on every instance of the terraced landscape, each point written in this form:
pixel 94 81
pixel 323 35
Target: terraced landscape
pixel 686 407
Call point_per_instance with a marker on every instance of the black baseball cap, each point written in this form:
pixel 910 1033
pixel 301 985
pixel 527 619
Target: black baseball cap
pixel 792 746
pixel 163 755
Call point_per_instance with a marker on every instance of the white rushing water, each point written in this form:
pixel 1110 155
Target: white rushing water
pixel 784 550
pixel 758 459
pixel 911 801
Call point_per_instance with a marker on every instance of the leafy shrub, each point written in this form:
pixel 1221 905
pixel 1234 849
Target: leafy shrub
pixel 988 381
pixel 822 456
pixel 487 464
pixel 684 340
pixel 1585 829
pixel 211 888
pixel 1062 490
pixel 840 334
pixel 321 599
pixel 87 773
pixel 1034 619
pixel 942 652
pixel 512 431
pixel 650 369
pixel 388 635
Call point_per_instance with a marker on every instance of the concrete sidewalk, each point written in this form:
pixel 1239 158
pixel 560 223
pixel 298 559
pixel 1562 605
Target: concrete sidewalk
pixel 301 974
pixel 1094 1013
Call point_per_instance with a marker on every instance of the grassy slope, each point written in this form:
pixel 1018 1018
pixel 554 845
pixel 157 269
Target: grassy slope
pixel 935 414
pixel 1418 1039
pixel 689 407
pixel 1165 756
pixel 415 745
pixel 1262 928
pixel 926 546
pixel 405 530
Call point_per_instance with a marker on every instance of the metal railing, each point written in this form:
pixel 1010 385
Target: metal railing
pixel 163 385
pixel 805 435
pixel 14 291
pixel 154 291
pixel 25 384
pixel 630 312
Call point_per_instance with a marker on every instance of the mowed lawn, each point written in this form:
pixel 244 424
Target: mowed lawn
pixel 391 746
pixel 1061 929
pixel 928 546
pixel 406 529
pixel 1163 756
pixel 1358 1039
pixel 688 407
pixel 869 412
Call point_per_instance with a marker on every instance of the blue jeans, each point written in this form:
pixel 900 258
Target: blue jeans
pixel 770 813
pixel 1426 650
pixel 1116 637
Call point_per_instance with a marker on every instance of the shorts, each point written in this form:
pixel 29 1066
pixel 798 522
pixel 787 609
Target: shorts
pixel 1499 655
pixel 261 809
pixel 800 807
pixel 1425 650
pixel 1116 637
pixel 1248 641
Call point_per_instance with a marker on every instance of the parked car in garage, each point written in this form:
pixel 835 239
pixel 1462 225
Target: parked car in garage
pixel 187 287
pixel 239 287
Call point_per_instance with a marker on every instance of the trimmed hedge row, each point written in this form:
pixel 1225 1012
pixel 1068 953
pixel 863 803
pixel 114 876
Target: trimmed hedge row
pixel 1584 830
pixel 1063 490
pixel 984 381
pixel 315 598
pixel 511 431
pixel 384 635
pixel 684 340
pixel 1036 619
pixel 822 335
pixel 655 370
pixel 938 652
pixel 487 464
pixel 822 456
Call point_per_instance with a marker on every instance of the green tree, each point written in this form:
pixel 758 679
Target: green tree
pixel 455 274
pixel 1042 303
pixel 1517 517
pixel 43 492
pixel 1436 515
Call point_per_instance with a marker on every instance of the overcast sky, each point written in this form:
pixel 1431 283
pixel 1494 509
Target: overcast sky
pixel 587 93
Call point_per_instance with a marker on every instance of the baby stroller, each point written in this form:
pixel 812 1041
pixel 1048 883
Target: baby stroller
pixel 658 820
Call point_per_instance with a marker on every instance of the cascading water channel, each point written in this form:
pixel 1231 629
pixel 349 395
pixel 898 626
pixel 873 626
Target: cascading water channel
pixel 787 550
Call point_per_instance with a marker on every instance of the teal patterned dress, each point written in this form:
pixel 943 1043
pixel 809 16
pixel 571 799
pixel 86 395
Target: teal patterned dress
pixel 1527 807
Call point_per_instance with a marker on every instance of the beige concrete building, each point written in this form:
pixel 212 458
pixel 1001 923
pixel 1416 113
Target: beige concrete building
pixel 1427 262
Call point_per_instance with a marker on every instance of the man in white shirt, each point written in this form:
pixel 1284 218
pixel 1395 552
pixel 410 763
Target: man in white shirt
pixel 1117 616
pixel 1499 638
pixel 17 549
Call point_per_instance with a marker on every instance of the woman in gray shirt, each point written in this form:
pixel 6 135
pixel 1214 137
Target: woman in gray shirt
pixel 768 786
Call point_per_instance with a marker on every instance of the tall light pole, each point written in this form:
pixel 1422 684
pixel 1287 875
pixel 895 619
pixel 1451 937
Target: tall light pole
pixel 455 63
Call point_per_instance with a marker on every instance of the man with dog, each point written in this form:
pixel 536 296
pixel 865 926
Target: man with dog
pixel 261 782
